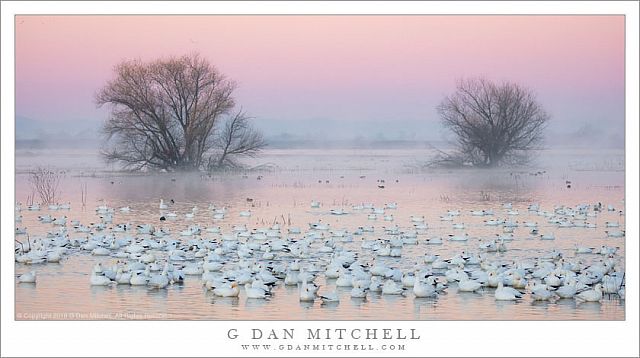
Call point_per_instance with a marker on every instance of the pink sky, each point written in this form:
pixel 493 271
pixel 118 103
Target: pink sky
pixel 333 67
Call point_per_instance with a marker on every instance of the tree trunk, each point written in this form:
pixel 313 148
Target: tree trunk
pixel 221 160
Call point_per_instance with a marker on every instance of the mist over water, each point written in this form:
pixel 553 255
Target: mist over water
pixel 337 178
pixel 322 133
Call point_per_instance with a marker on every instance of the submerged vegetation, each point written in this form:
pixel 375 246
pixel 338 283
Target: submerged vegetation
pixel 45 183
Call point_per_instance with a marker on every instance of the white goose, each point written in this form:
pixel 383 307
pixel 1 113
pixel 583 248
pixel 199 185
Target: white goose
pixel 375 285
pixel 254 292
pixel 123 278
pixel 542 293
pixel 391 288
pixel 568 290
pixel 29 277
pixel 467 285
pixel 506 293
pixel 139 278
pixel 594 295
pixel 99 280
pixel 408 279
pixel 464 237
pixel 192 214
pixel 345 280
pixel 54 256
pixel 306 295
pixel 159 281
pixel 358 292
pixel 330 297
pixel 232 291
pixel 423 290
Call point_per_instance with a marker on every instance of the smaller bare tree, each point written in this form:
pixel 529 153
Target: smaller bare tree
pixel 236 138
pixel 45 182
pixel 493 123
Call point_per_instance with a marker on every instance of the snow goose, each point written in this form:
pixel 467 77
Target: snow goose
pixel 467 285
pixel 391 288
pixel 306 295
pixel 542 293
pixel 358 292
pixel 254 292
pixel 615 233
pixel 123 278
pixel 464 237
pixel 345 280
pixel 100 251
pixel 593 295
pixel 408 279
pixel 458 226
pixel 375 285
pixel 506 293
pixel 568 290
pixel 424 290
pixel 29 277
pixel 231 291
pixel 99 280
pixel 329 297
pixel 139 278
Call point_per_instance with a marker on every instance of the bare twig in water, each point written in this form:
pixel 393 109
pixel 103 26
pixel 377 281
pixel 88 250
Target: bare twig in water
pixel 21 245
pixel 83 189
pixel 45 182
pixel 30 198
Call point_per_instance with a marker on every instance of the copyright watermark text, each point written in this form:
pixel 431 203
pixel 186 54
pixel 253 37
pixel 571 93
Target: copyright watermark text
pixel 76 316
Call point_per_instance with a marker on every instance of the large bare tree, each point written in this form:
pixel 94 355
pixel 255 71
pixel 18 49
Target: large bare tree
pixel 165 113
pixel 493 123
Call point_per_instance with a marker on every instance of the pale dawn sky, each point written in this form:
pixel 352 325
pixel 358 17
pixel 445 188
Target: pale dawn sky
pixel 356 68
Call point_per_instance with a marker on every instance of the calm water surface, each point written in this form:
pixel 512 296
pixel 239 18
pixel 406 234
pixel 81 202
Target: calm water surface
pixel 338 179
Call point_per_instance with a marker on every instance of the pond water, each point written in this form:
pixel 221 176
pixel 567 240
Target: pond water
pixel 337 179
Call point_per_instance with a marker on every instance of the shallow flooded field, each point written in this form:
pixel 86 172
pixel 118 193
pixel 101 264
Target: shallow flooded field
pixel 339 180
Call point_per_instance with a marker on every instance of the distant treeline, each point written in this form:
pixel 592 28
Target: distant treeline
pixel 348 144
pixel 58 144
pixel 294 143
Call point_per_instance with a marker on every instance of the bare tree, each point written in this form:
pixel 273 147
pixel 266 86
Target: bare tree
pixel 45 182
pixel 164 113
pixel 236 138
pixel 493 123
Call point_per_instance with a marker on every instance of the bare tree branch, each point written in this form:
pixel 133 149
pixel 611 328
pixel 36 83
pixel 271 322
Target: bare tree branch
pixel 237 138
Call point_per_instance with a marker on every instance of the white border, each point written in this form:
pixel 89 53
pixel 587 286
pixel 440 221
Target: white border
pixel 208 338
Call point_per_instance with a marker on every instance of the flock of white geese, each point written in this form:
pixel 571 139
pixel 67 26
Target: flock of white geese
pixel 240 261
